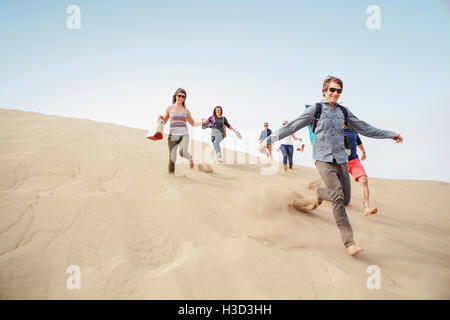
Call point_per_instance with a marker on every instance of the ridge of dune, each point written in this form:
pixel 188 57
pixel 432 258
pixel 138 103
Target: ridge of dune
pixel 97 195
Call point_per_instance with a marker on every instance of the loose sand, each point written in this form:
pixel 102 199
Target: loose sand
pixel 97 195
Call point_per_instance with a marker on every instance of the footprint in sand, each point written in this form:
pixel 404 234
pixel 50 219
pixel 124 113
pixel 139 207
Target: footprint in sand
pixel 204 167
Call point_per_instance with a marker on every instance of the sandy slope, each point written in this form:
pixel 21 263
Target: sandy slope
pixel 97 195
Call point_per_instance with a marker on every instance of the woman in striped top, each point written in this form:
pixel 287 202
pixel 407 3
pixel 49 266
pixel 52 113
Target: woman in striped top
pixel 179 116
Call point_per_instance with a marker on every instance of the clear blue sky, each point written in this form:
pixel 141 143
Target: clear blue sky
pixel 260 60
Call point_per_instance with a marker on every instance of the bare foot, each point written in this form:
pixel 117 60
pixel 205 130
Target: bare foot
pixel 191 163
pixel 354 249
pixel 319 200
pixel 285 168
pixel 369 211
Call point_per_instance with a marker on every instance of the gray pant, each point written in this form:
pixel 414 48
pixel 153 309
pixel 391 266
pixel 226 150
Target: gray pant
pixel 337 190
pixel 216 140
pixel 173 142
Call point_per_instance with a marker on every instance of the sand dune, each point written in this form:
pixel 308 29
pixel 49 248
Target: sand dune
pixel 97 195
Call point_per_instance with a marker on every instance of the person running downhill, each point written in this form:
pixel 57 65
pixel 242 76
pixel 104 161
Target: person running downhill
pixel 218 124
pixel 264 134
pixel 329 151
pixel 179 115
pixel 356 169
pixel 287 148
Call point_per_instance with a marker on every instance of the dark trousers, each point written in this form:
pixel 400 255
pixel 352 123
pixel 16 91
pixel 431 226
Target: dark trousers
pixel 288 153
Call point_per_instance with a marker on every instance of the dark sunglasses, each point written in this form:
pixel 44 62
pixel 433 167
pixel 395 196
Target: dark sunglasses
pixel 335 89
pixel 181 96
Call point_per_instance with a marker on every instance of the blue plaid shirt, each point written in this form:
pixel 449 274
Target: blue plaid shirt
pixel 329 133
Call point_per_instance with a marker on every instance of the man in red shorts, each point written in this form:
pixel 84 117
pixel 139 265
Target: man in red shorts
pixel 357 171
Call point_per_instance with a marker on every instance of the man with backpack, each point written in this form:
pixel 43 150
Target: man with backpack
pixel 355 167
pixel 329 151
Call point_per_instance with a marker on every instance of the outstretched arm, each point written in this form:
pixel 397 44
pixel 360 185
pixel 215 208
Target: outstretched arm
pixel 370 131
pixel 228 125
pixel 293 126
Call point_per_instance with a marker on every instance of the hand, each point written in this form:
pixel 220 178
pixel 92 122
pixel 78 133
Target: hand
pixel 204 121
pixel 398 138
pixel 363 157
pixel 160 117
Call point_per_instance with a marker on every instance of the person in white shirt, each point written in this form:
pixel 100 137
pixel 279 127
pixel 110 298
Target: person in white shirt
pixel 286 145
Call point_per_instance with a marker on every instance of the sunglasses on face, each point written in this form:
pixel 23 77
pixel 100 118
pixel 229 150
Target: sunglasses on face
pixel 181 96
pixel 335 89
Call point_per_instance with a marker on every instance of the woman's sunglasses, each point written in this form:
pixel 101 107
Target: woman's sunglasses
pixel 335 89
pixel 181 96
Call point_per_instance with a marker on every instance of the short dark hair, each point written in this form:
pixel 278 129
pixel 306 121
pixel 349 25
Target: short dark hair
pixel 328 80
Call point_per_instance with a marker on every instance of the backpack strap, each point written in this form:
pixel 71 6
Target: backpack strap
pixel 317 114
pixel 344 111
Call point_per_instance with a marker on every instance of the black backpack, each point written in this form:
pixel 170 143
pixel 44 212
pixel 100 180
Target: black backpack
pixel 317 115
